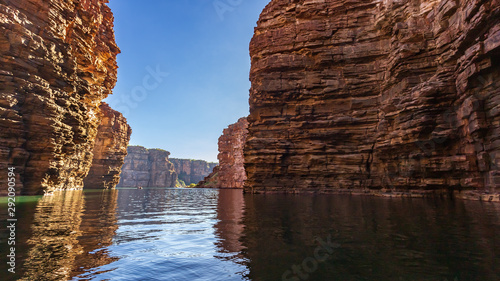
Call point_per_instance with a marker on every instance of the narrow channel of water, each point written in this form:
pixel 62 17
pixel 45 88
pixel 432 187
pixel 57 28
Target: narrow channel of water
pixel 205 234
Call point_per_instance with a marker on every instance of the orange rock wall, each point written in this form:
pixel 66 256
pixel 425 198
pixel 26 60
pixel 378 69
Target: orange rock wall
pixel 57 62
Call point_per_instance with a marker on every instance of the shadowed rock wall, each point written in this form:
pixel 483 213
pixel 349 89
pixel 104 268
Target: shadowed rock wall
pixel 110 149
pixel 362 94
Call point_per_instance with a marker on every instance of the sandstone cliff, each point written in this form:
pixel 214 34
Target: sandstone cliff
pixel 58 61
pixel 230 173
pixel 375 94
pixel 192 171
pixel 147 168
pixel 110 149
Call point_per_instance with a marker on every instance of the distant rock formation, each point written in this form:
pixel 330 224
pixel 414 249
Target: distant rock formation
pixel 392 95
pixel 147 168
pixel 153 168
pixel 210 181
pixel 231 171
pixel 110 149
pixel 192 171
pixel 58 62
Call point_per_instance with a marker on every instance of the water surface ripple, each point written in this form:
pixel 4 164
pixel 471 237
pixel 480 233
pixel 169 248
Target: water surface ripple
pixel 206 234
pixel 165 234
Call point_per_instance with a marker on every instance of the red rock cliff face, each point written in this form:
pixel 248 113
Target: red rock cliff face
pixel 57 64
pixel 231 144
pixel 375 94
pixel 147 168
pixel 230 173
pixel 110 149
pixel 192 171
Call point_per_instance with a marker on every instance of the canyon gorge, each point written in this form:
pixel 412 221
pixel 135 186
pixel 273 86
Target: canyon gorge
pixel 153 168
pixel 394 99
pixel 368 96
pixel 346 96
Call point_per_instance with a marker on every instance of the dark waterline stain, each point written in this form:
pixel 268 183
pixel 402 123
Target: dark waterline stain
pixel 205 234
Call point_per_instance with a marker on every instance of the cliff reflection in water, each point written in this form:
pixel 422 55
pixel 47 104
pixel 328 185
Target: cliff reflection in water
pixel 67 228
pixel 209 234
pixel 229 227
pixel 97 230
pixel 371 238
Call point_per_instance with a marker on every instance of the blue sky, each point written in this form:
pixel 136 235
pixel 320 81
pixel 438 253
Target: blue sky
pixel 183 71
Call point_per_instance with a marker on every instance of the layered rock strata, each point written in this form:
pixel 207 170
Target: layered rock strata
pixel 58 61
pixel 110 149
pixel 147 168
pixel 369 95
pixel 192 171
pixel 231 171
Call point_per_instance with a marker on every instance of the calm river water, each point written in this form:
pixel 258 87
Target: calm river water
pixel 204 234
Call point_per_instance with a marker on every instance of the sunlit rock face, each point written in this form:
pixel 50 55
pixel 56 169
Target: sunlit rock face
pixel 58 61
pixel 192 171
pixel 400 95
pixel 147 168
pixel 110 149
pixel 230 173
